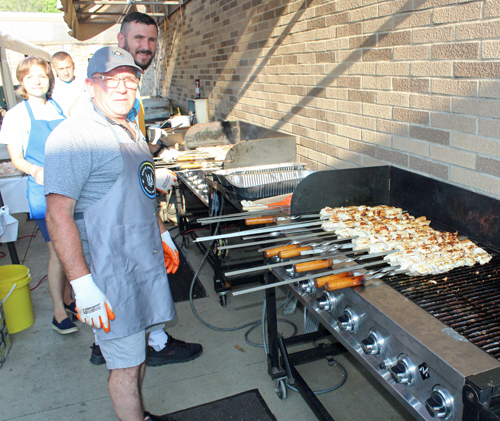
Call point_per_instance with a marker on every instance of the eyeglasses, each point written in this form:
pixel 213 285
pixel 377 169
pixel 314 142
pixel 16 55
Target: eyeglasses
pixel 113 82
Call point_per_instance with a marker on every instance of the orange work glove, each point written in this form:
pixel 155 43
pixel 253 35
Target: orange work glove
pixel 170 253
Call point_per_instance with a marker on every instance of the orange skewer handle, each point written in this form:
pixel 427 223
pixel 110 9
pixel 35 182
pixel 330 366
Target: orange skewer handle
pixel 314 265
pixel 261 220
pixel 320 282
pixel 274 252
pixel 345 283
pixel 286 254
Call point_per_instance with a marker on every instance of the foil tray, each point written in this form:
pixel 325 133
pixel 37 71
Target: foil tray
pixel 258 185
pixel 221 176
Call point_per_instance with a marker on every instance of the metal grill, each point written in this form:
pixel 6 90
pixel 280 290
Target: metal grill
pixel 465 299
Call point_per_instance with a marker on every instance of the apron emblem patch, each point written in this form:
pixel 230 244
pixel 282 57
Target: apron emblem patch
pixel 147 179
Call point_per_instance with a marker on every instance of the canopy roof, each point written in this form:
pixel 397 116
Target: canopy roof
pixel 88 18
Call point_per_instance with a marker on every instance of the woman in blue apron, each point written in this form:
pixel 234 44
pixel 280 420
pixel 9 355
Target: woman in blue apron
pixel 25 129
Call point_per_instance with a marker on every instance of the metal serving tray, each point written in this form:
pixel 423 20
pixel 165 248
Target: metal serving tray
pixel 259 185
pixel 220 176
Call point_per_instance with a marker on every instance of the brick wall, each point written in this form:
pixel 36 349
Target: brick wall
pixel 411 83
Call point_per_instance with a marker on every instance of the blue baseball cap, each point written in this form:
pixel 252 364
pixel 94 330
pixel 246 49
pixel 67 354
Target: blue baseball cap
pixel 108 58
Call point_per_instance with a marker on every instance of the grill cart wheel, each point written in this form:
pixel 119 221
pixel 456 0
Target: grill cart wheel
pixel 281 389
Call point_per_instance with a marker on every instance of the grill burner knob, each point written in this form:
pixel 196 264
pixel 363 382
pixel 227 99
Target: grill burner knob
pixel 440 404
pixel 372 344
pixel 402 371
pixel 348 320
pixel 326 302
pixel 307 287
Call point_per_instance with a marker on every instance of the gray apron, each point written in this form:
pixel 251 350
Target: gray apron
pixel 126 251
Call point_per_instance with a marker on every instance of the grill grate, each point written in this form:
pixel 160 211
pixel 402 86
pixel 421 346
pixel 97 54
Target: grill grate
pixel 465 299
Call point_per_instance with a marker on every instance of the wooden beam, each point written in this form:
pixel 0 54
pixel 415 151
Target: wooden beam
pixel 111 14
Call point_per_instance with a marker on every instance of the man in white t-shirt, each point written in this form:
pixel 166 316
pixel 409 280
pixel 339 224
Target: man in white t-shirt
pixel 68 87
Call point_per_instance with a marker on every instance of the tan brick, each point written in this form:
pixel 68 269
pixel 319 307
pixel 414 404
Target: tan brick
pixel 481 30
pixel 325 9
pixel 491 8
pixel 337 93
pixel 327 57
pixel 315 113
pixel 479 107
pixel 394 38
pixel 350 157
pixel 453 156
pixel 308 143
pixel 376 138
pixel 489 89
pixel 392 156
pixel 465 50
pixel 326 127
pixel 411 116
pixel 337 44
pixel 379 54
pixel 459 13
pixel 348 56
pixel 393 98
pixel 488 166
pixel 489 128
pixel 477 70
pixel 316 46
pixel 337 19
pixel 364 13
pixel 348 131
pixel 430 102
pixel 428 167
pixel 306 58
pixel 338 141
pixel 363 41
pixel 393 69
pixel 415 52
pixel 440 137
pixel 362 147
pixel 378 25
pixel 410 85
pixel 435 68
pixel 376 110
pixel 477 144
pixel 378 83
pixel 327 149
pixel 349 107
pixel 348 4
pixel 393 7
pixel 412 20
pixel 490 49
pixel 475 180
pixel 454 87
pixel 327 103
pixel 362 121
pixel 431 4
pixel 363 69
pixel 349 30
pixel 318 157
pixel 433 35
pixel 349 81
pixel 453 122
pixel 326 33
pixel 415 147
pixel 362 96
pixel 392 127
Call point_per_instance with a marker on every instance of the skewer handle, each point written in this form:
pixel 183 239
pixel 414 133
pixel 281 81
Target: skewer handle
pixel 320 282
pixel 314 265
pixel 261 220
pixel 186 158
pixel 187 166
pixel 274 252
pixel 286 254
pixel 345 283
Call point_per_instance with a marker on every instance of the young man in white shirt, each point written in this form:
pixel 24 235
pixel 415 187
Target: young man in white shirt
pixel 68 87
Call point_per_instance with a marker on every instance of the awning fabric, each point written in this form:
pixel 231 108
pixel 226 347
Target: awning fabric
pixel 88 18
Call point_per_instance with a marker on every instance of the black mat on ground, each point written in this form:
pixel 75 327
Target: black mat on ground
pixel 180 281
pixel 246 406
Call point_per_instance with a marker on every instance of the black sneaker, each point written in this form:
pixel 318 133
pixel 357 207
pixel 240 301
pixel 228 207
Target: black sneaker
pixel 175 351
pixel 96 357
pixel 157 417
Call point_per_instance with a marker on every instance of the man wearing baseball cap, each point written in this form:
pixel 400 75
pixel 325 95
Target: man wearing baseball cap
pixel 101 213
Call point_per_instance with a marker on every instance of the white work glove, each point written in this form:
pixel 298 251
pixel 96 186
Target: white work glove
pixel 170 253
pixel 92 306
pixel 165 180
